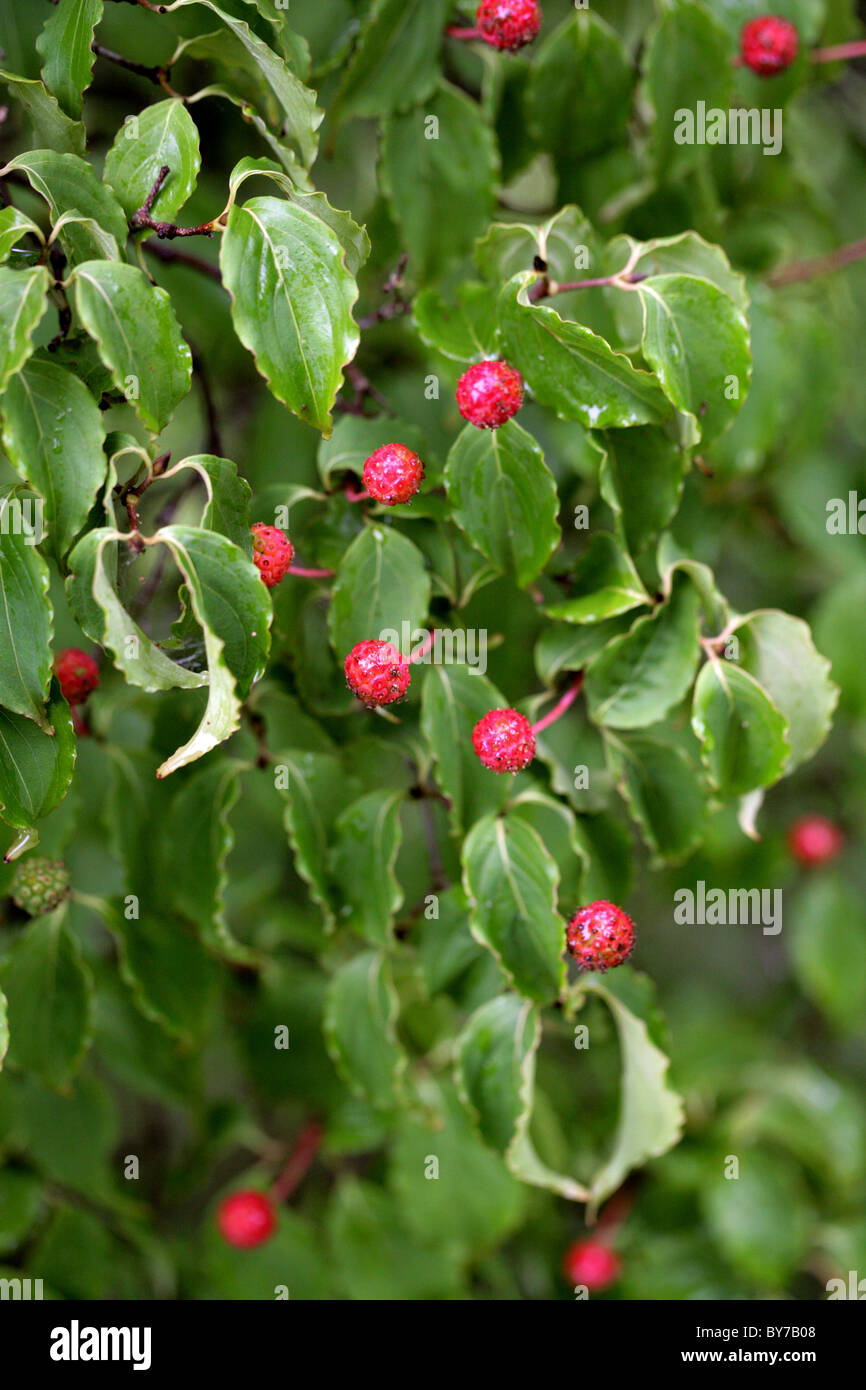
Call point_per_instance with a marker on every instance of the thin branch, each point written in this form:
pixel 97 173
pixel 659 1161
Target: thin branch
pixel 171 253
pixel 545 289
pixel 155 74
pixel 799 271
pixel 166 231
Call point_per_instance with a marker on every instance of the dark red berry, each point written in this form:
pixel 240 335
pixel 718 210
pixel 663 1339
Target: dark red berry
pixel 489 394
pixel 592 1264
pixel 504 740
pixel 77 673
pixel 376 673
pixel 508 24
pixel 815 840
pixel 600 936
pixel 769 45
pixel 246 1219
pixel 273 553
pixel 393 474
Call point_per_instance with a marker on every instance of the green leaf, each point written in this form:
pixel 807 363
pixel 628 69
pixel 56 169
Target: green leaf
pixel 26 626
pixel 605 584
pixel 511 880
pixel 352 237
pixel 53 434
pixel 65 47
pixel 23 302
pixel 826 940
pixel 504 498
pixel 778 651
pixel 651 1115
pixel 360 1030
pixel 453 700
pixel 233 608
pixel 743 735
pixel 664 793
pixel 367 838
pixel 14 227
pixel 445 152
pixel 446 947
pixel 562 647
pixel 161 134
pixel 507 248
pixel 697 341
pixel 578 97
pixel 378 1257
pixel 292 299
pixel 464 330
pixel 761 1219
pixel 35 767
pixel 227 509
pixel 495 1071
pixel 381 585
pixel 570 368
pixel 68 183
pixel 51 127
pixel 685 254
pixel 396 60
pixel 138 337
pixel 49 991
pixel 687 60
pixel 641 478
pixel 316 788
pixel 637 678
pixel 556 826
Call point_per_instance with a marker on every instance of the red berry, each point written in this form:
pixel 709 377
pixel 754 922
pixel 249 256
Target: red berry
pixel 592 1264
pixel 815 840
pixel 376 673
pixel 504 740
pixel 508 24
pixel 489 394
pixel 769 45
pixel 273 553
pixel 77 673
pixel 600 936
pixel 246 1219
pixel 393 474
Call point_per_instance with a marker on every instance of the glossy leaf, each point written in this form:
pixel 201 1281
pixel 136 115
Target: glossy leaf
pixel 778 651
pixel 35 767
pixel 69 183
pixel 52 128
pixel 743 735
pixel 381 584
pixel 65 48
pixel 161 134
pixel 605 584
pixel 23 303
pixel 664 792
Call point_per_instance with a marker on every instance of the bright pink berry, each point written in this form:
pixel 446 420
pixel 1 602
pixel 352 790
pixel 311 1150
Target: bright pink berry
pixel 508 24
pixel 815 840
pixel 376 673
pixel 273 553
pixel 393 474
pixel 489 394
pixel 246 1219
pixel 600 936
pixel 77 673
pixel 592 1264
pixel 769 45
pixel 504 740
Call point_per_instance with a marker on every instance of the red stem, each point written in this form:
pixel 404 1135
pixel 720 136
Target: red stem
pixel 424 648
pixel 300 1160
pixel 839 52
pixel 799 271
pixel 566 701
pixel 311 574
pixel 353 495
pixel 455 32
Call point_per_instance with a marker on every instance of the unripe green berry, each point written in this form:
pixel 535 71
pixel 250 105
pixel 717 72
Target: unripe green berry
pixel 40 885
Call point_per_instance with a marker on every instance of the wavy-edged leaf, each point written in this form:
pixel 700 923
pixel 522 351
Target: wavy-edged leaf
pixel 605 584
pixel 14 227
pixel 26 625
pixel 134 327
pixel 381 584
pixel 227 509
pixel 162 134
pixel 356 437
pixel 35 767
pixel 367 836
pixel 504 497
pixel 395 64
pixel 453 700
pixel 52 128
pixel 744 737
pixel 641 477
pixel 292 299
pixel 464 330
pixel 317 787
pixel 777 649
pixel 352 237
pixel 23 302
pixel 360 1030
pixel 67 182
pixel 578 97
pixel 663 790
pixel 66 52
pixel 511 881
pixel 49 990
pixel 507 248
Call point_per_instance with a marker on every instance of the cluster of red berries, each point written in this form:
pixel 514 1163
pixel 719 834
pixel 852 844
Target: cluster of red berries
pixel 769 45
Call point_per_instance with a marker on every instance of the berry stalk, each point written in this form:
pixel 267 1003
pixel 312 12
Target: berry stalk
pixel 299 1162
pixel 560 707
pixel 839 52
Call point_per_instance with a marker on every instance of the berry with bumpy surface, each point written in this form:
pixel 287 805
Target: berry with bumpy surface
pixel 814 840
pixel 489 394
pixel 592 1264
pixel 376 673
pixel 508 24
pixel 77 673
pixel 769 45
pixel 600 936
pixel 393 474
pixel 504 741
pixel 40 885
pixel 273 553
pixel 246 1219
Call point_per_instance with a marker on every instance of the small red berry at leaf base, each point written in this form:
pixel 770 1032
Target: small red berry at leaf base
pixel 769 45
pixel 814 840
pixel 377 673
pixel 273 553
pixel 592 1264
pixel 600 936
pixel 489 394
pixel 504 740
pixel 393 474
pixel 246 1219
pixel 508 24
pixel 77 673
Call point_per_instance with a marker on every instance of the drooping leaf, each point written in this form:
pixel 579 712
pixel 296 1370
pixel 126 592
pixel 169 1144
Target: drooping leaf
pixel 316 787
pixel 663 790
pixel 777 649
pixel 68 183
pixel 395 62
pixel 366 840
pixel 35 767
pixel 641 477
pixel 23 303
pixel 605 583
pixel 65 48
pixel 381 584
pixel 163 134
pixel 52 128
pixel 743 735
